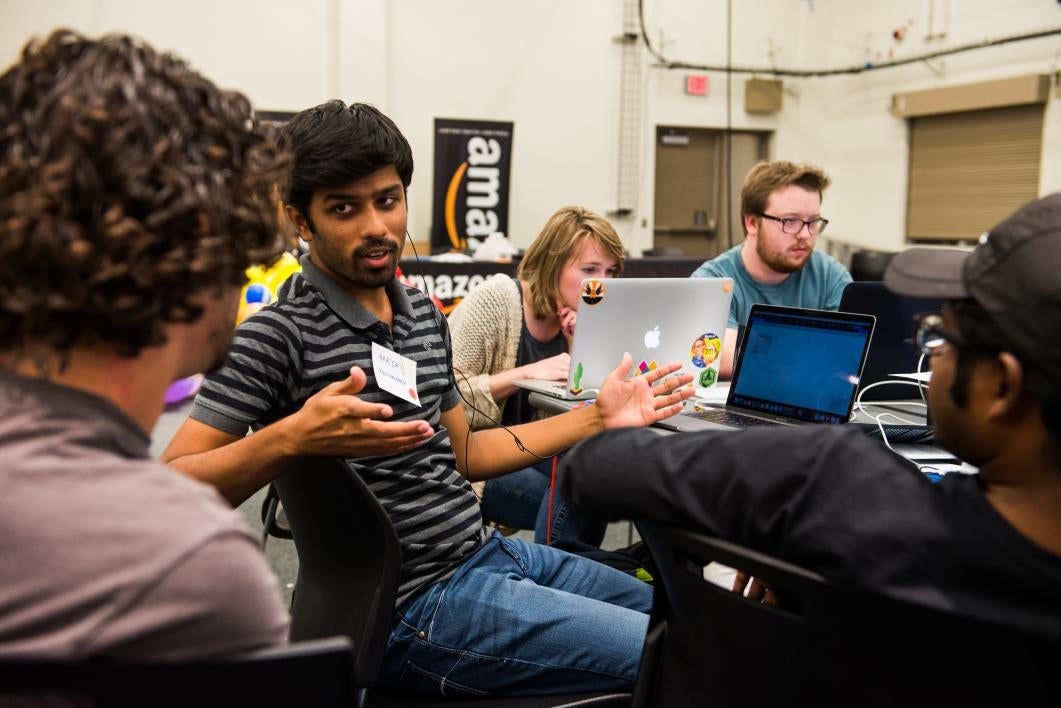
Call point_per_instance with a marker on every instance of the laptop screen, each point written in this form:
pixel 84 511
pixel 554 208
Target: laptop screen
pixel 802 364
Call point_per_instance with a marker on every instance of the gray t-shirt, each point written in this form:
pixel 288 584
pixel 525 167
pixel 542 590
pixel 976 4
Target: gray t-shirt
pixel 104 551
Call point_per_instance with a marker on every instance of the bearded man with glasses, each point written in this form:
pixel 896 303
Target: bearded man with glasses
pixel 777 264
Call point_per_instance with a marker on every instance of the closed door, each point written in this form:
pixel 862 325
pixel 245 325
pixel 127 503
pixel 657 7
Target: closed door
pixel 697 210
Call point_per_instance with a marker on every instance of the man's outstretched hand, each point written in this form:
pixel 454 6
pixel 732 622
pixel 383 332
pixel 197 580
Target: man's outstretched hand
pixel 643 399
pixel 335 421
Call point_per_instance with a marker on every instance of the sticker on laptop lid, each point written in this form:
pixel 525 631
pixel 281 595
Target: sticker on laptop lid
pixel 576 380
pixel 592 291
pixel 705 350
pixel 708 377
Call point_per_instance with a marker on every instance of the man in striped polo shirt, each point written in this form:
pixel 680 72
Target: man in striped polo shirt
pixel 313 374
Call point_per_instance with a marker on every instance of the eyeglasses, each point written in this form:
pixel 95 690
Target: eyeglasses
pixel 929 334
pixel 793 226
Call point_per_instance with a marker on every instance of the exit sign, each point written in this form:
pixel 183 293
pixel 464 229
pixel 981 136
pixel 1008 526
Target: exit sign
pixel 696 84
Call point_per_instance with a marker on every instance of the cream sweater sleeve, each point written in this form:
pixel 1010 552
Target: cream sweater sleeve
pixel 485 327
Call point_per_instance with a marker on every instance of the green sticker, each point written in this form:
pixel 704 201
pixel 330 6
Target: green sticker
pixel 707 377
pixel 576 384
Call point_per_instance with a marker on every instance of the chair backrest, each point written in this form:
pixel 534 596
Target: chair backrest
pixel 869 265
pixel 663 252
pixel 823 645
pixel 349 559
pixel 316 673
pixel 271 517
pixel 349 566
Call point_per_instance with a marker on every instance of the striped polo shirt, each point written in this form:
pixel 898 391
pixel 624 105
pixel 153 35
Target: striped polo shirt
pixel 309 338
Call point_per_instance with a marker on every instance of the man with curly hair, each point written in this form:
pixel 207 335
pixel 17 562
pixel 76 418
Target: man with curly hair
pixel 133 196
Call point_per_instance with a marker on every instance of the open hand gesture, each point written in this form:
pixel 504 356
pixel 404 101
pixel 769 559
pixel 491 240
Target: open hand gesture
pixel 335 421
pixel 643 399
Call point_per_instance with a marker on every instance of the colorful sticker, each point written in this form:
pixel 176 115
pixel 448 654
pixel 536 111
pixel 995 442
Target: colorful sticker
pixel 576 381
pixel 592 291
pixel 727 285
pixel 705 349
pixel 646 366
pixel 708 377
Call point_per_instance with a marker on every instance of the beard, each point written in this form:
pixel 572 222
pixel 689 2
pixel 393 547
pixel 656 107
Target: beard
pixel 781 262
pixel 351 268
pixel 368 277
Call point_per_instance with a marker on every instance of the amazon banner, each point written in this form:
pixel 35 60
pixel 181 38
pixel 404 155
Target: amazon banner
pixel 472 163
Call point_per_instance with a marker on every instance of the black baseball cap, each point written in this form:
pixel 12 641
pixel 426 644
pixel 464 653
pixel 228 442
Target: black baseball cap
pixel 1014 274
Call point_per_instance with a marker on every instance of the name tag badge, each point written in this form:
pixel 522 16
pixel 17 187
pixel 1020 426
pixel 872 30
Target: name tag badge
pixel 395 373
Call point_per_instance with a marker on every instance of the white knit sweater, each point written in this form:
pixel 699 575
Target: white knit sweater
pixel 485 327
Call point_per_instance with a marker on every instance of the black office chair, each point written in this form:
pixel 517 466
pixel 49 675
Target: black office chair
pixel 663 252
pixel 869 265
pixel 312 673
pixel 349 564
pixel 822 645
pixel 274 518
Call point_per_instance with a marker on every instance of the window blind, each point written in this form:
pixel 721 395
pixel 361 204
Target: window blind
pixel 970 170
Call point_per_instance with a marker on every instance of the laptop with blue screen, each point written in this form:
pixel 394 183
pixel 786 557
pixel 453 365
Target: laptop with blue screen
pixel 796 366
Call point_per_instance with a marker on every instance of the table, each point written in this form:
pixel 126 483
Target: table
pixel 449 282
pixel 925 455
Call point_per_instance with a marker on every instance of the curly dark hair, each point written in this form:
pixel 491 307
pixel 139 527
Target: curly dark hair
pixel 128 184
pixel 335 144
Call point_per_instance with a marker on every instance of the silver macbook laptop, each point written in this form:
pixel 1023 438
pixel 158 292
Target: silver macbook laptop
pixel 796 366
pixel 657 320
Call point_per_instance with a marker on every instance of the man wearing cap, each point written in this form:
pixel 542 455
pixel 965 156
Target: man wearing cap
pixel 837 502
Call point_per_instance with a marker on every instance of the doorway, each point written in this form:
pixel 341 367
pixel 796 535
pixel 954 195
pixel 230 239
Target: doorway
pixel 695 212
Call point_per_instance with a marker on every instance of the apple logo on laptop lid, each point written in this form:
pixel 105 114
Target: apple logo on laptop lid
pixel 652 338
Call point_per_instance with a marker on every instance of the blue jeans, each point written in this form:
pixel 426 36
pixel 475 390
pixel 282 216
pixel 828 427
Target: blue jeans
pixel 520 619
pixel 521 500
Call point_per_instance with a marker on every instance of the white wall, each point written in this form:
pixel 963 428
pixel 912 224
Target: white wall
pixel 843 123
pixel 551 67
pixel 272 64
pixel 868 147
pixel 762 34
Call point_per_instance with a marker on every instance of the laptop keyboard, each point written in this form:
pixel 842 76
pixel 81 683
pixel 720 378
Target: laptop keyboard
pixel 718 415
pixel 901 433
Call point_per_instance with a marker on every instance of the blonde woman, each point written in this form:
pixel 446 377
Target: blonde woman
pixel 509 329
